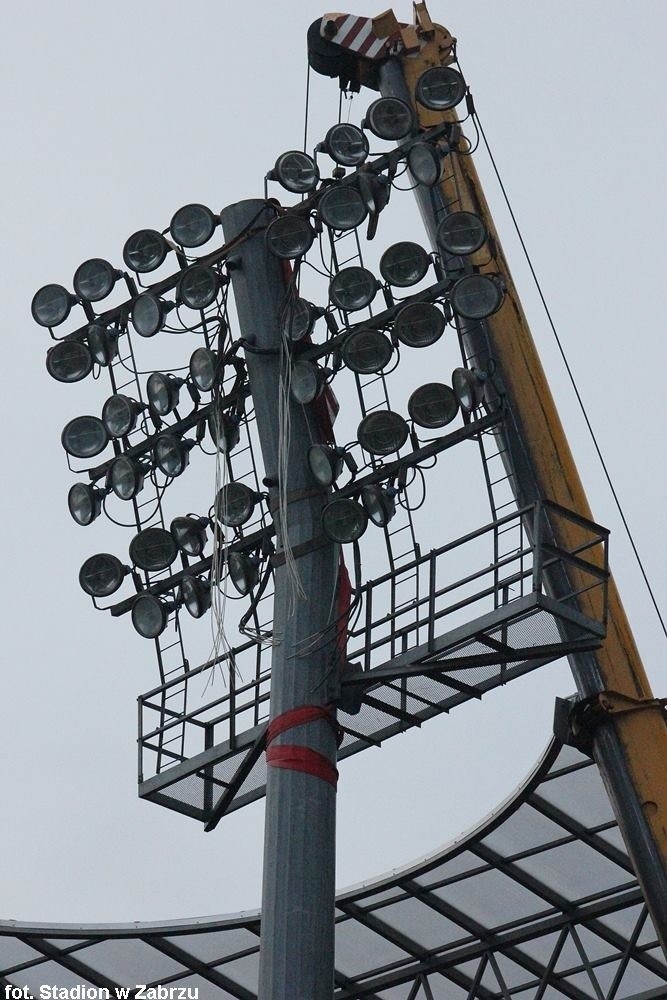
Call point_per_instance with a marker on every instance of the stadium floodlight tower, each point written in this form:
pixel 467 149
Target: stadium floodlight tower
pixel 322 666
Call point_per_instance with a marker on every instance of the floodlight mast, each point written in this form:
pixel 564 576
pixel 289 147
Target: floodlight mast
pixel 298 894
pixel 627 734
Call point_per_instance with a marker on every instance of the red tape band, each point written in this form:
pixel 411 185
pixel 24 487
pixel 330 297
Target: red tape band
pixel 294 758
pixel 299 717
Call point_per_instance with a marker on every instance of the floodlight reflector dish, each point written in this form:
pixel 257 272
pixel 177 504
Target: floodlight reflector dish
pixel 307 382
pixel 299 319
pixel 243 571
pixel 195 595
pixel 148 314
pixel 404 264
pixel 419 324
pixel 163 392
pixel 346 144
pixel 440 88
pixel 461 233
pixel 145 250
pixel 51 305
pixel 342 208
pixel 289 236
pixel 84 437
pixel 296 172
pixel 126 477
pixel 103 343
pixel 476 296
pixel 204 368
pixel 101 575
pixel 224 430
pixel 325 464
pixel 171 454
pixel 367 352
pixel 389 118
pixel 235 504
pixel 379 504
pixel 433 405
pixel 382 432
pixel 119 415
pixel 149 616
pixel 153 549
pixel 69 361
pixel 468 388
pixel 94 279
pixel 198 286
pixel 189 533
pixel 344 520
pixel 84 503
pixel 193 225
pixel 353 288
pixel 424 163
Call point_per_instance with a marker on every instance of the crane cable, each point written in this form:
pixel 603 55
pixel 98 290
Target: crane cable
pixel 573 382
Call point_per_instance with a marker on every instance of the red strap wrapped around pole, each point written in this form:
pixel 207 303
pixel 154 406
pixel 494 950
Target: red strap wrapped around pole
pixel 303 759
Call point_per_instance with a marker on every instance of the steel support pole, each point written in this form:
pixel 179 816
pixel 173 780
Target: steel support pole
pixel 618 664
pixel 298 895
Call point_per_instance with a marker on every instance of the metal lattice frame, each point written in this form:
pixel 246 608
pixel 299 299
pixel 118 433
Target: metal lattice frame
pixel 538 903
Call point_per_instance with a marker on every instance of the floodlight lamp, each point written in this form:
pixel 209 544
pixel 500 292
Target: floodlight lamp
pixel 325 463
pixel 404 264
pixel 461 233
pixel 476 296
pixel 149 314
pixel 172 454
pixel 389 118
pixel 51 305
pixel 101 575
pixel 353 288
pixel 119 415
pixel 189 533
pixel 419 324
pixel 342 208
pixel 204 368
pixel 149 616
pixel 126 477
pixel 145 250
pixel 382 432
pixel 243 570
pixel 94 279
pixel 195 595
pixel 69 361
pixel 346 145
pixel 299 319
pixel 224 429
pixel 344 520
pixel 193 225
pixel 367 352
pixel 379 503
pixel 153 550
pixel 307 381
pixel 440 88
pixel 235 504
pixel 84 503
pixel 469 388
pixel 433 405
pixel 103 343
pixel 84 437
pixel 289 236
pixel 198 286
pixel 424 163
pixel 296 172
pixel 163 392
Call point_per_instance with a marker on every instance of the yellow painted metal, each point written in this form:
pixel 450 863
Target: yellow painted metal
pixel 643 734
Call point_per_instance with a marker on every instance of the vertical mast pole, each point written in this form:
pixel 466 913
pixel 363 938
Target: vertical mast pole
pixel 298 894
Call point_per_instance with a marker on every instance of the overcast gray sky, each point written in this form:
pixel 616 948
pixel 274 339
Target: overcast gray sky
pixel 113 117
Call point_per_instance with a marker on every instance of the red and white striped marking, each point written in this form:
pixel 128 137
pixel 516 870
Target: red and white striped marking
pixel 355 33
